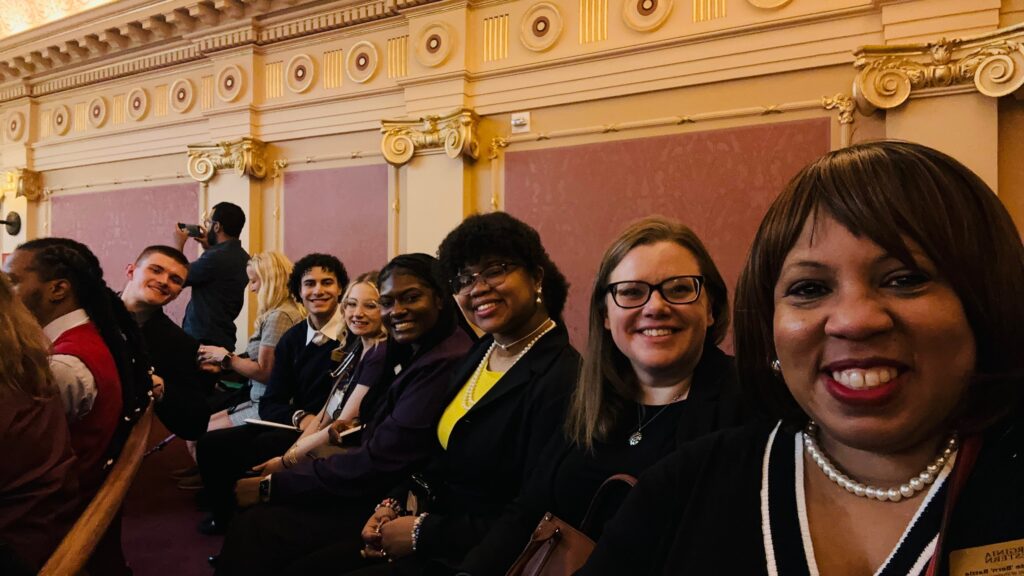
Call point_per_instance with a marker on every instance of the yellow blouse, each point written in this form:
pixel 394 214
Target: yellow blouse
pixel 456 410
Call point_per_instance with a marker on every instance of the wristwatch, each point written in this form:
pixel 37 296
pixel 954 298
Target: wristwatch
pixel 265 489
pixel 225 362
pixel 297 417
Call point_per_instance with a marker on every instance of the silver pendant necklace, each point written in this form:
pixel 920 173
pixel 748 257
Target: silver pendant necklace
pixel 637 436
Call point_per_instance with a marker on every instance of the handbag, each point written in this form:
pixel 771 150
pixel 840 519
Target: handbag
pixel 556 548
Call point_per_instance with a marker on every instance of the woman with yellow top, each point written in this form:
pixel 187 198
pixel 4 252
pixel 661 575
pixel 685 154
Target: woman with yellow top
pixel 508 399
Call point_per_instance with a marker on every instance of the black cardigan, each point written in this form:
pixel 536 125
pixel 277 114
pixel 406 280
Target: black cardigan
pixel 495 446
pixel 713 403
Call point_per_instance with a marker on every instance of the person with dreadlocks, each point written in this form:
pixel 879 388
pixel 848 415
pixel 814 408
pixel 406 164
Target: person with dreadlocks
pixel 61 286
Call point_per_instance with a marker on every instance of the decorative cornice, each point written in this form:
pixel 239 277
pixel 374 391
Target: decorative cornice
pixel 205 26
pixel 246 155
pixel 993 62
pixel 22 183
pixel 456 133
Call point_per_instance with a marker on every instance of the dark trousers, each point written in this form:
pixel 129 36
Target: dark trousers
pixel 226 455
pixel 284 540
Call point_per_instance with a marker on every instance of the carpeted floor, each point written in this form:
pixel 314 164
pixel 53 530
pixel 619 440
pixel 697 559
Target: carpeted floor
pixel 159 531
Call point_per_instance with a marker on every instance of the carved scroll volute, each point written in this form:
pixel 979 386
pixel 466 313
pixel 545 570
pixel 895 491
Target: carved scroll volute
pixel 460 137
pixel 888 75
pixel 1001 70
pixel 397 145
pixel 246 156
pixel 455 133
pixel 22 183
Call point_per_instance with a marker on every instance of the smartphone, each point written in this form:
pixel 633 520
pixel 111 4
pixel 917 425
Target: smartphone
pixel 194 230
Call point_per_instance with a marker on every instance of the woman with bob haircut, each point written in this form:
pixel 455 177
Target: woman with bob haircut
pixel 878 321
pixel 510 397
pixel 38 486
pixel 653 377
pixel 276 312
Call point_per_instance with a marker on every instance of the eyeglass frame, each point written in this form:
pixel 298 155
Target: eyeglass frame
pixel 475 277
pixel 659 287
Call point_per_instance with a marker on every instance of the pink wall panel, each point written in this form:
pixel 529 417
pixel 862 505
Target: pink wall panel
pixel 340 211
pixel 118 224
pixel 719 183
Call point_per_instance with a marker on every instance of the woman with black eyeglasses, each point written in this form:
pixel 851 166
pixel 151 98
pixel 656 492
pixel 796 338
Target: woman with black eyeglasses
pixel 508 399
pixel 652 379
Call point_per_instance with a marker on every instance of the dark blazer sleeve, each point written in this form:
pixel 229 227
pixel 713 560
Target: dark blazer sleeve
pixel 404 437
pixel 275 404
pixel 183 409
pixel 509 534
pixel 543 412
pixel 632 538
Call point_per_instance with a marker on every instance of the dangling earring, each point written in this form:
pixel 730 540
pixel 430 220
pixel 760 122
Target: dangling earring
pixel 776 366
pixel 539 301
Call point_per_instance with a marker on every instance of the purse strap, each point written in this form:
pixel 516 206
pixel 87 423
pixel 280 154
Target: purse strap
pixel 608 490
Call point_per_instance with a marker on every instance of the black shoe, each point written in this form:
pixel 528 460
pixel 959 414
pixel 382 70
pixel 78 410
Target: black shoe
pixel 213 527
pixel 213 559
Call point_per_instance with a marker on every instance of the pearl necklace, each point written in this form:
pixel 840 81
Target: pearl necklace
pixel 467 398
pixel 506 347
pixel 907 490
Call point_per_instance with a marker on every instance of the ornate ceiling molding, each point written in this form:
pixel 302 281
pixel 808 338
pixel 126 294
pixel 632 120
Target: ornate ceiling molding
pixel 455 133
pixel 993 63
pixel 247 156
pixel 22 183
pixel 176 32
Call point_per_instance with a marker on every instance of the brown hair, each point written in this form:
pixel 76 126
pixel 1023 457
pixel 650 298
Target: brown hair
pixel 24 363
pixel 891 192
pixel 607 382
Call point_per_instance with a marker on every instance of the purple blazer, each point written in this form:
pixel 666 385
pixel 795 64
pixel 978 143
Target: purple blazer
pixel 400 439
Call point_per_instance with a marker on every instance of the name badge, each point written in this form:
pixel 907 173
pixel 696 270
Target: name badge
pixel 1003 559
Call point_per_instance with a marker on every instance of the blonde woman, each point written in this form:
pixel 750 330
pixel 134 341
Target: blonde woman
pixel 37 486
pixel 276 312
pixel 361 305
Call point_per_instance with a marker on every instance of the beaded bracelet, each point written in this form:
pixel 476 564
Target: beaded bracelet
pixel 390 503
pixel 417 525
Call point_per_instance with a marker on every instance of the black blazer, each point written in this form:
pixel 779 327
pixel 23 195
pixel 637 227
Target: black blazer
pixel 495 446
pixel 183 409
pixel 713 403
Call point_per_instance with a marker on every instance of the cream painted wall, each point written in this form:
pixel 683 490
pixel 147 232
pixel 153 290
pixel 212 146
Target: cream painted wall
pixel 750 66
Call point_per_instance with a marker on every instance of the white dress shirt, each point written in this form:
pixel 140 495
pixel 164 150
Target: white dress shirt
pixel 329 332
pixel 75 382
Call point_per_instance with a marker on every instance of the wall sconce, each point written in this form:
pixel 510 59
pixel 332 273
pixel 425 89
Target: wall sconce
pixel 13 223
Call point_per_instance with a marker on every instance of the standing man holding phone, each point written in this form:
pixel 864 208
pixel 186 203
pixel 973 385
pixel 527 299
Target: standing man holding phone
pixel 217 277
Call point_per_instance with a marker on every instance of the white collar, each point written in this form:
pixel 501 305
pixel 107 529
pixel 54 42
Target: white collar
pixel 330 330
pixel 58 326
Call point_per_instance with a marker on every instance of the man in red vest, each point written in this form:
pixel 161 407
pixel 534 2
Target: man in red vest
pixel 62 290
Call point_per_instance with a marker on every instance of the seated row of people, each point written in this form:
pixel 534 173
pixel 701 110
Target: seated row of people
pixel 99 363
pixel 878 383
pixel 878 347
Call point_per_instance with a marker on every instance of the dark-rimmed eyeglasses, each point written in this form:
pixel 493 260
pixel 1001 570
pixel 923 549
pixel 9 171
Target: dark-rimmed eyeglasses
pixel 674 290
pixel 493 275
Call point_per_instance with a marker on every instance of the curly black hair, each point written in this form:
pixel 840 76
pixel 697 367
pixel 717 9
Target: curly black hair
pixel 499 234
pixel 309 261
